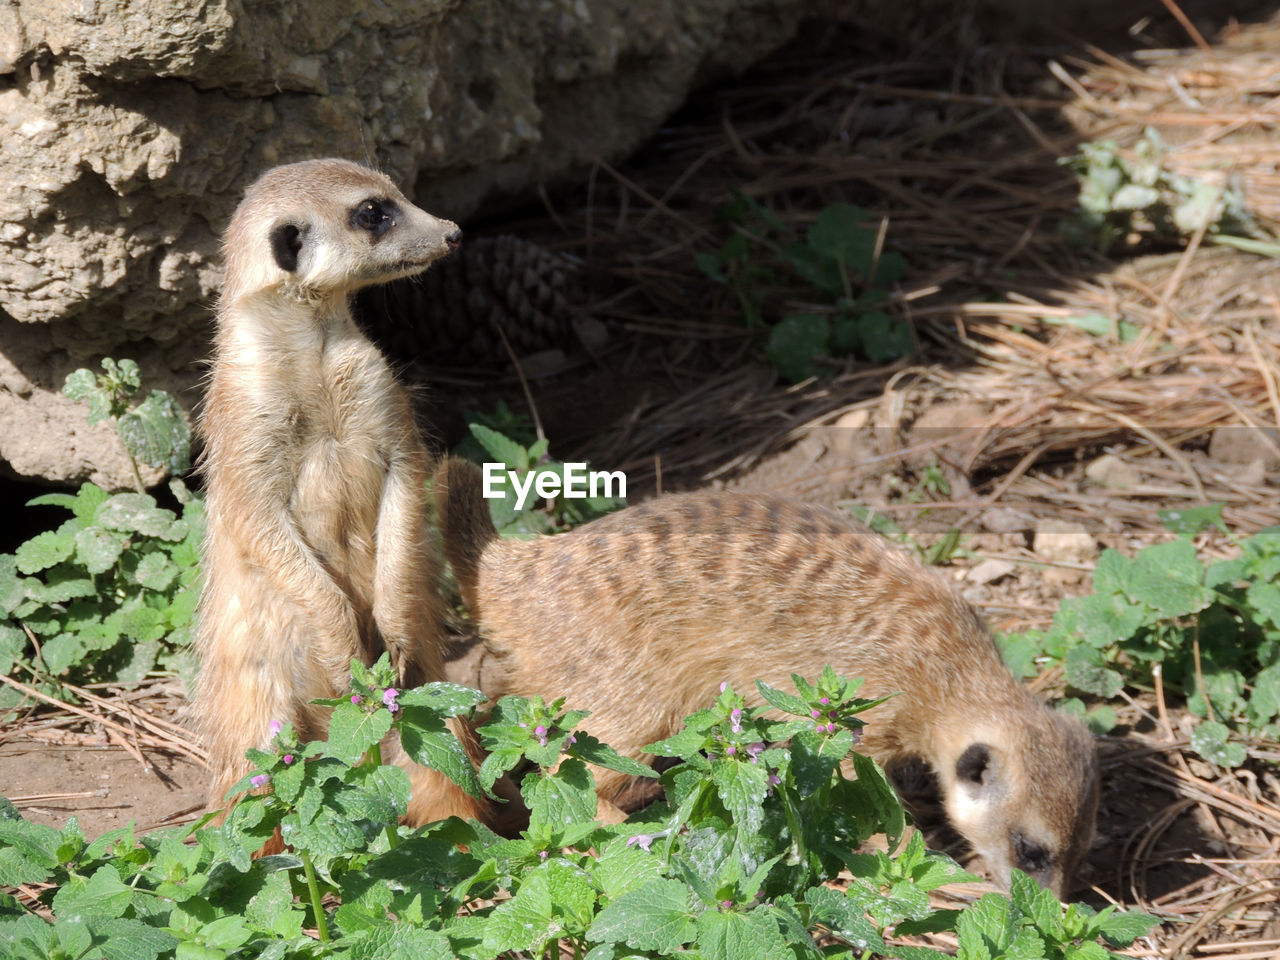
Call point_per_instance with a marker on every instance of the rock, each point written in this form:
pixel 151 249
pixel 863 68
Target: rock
pixel 129 131
pixel 1244 445
pixel 988 571
pixel 1064 541
pixel 1006 520
pixel 1110 471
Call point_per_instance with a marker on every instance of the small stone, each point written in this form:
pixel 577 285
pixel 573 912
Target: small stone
pixel 1110 471
pixel 1244 445
pixel 1064 541
pixel 989 571
pixel 1006 520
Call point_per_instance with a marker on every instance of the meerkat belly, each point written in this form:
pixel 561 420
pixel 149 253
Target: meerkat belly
pixel 336 498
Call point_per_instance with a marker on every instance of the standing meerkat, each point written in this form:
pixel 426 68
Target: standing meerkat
pixel 316 550
pixel 640 615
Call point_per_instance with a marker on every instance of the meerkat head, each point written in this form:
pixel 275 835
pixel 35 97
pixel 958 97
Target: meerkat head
pixel 328 227
pixel 1025 794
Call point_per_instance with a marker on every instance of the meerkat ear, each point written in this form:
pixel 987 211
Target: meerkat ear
pixel 286 244
pixel 974 765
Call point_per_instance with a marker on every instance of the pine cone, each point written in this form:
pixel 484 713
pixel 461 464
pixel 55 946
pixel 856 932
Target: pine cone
pixel 451 315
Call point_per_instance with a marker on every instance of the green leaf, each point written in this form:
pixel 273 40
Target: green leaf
pixel 1188 521
pixel 840 234
pixel 1019 652
pixel 353 730
pixel 1037 903
pixel 80 384
pixel 795 341
pixel 138 513
pixel 503 448
pixel 44 550
pixel 732 935
pixel 1209 739
pixel 1169 578
pixel 571 892
pixel 157 433
pixel 566 797
pixel 622 867
pixel 101 895
pixel 524 922
pixel 884 338
pixel 786 702
pixel 443 699
pixel 591 750
pixel 1121 929
pixel 1086 671
pixel 28 851
pixel 155 571
pixel 844 917
pixel 98 549
pixel 655 916
pixel 425 738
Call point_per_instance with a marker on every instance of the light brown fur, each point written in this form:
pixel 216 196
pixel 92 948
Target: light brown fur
pixel 316 551
pixel 639 617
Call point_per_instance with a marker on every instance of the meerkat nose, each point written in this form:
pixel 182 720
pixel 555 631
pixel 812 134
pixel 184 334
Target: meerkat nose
pixel 454 240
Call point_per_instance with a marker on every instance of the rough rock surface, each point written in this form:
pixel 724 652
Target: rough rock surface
pixel 128 129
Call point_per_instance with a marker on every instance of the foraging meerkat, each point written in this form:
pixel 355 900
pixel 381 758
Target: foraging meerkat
pixel 316 549
pixel 640 615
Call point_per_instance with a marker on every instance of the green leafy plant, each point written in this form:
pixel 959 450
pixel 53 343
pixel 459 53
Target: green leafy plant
pixel 734 865
pixel 1133 192
pixel 155 432
pixel 1214 629
pixel 110 593
pixel 837 267
pixel 519 452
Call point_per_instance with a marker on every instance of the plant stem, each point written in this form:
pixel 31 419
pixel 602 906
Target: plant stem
pixel 374 759
pixel 322 925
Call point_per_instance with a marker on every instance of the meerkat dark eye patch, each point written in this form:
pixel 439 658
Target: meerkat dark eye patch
pixel 1029 856
pixel 375 216
pixel 973 763
pixel 286 244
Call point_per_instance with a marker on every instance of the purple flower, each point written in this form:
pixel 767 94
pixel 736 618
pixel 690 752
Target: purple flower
pixel 774 779
pixel 273 727
pixel 735 720
pixel 824 701
pixel 288 759
pixel 541 733
pixel 857 735
pixel 726 904
pixel 389 699
pixel 723 685
pixel 831 728
pixel 543 854
pixel 261 780
pixel 815 713
pixel 730 750
pixel 572 738
pixel 355 699
pixel 642 840
pixel 754 750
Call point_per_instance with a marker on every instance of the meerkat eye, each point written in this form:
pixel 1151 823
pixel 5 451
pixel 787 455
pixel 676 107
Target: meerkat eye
pixel 375 216
pixel 1029 856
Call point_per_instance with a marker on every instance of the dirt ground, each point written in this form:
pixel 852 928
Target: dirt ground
pixel 1039 442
